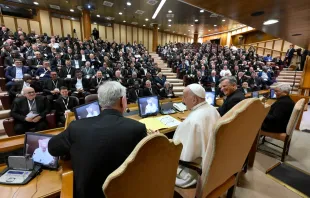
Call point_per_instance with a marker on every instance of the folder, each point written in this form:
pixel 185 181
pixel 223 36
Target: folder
pixel 153 124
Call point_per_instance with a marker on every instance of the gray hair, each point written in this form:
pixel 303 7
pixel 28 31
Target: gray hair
pixel 284 88
pixel 109 93
pixel 231 79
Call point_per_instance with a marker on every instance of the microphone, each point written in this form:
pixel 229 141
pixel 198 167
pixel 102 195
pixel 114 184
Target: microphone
pixel 127 110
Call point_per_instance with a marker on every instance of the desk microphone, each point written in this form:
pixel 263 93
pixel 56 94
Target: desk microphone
pixel 127 110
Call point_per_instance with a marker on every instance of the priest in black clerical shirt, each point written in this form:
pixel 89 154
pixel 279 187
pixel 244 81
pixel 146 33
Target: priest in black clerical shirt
pixel 134 93
pixel 64 104
pixel 52 87
pixel 30 112
pixel 149 90
pixel 97 81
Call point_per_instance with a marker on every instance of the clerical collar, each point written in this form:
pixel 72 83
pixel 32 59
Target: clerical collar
pixel 199 105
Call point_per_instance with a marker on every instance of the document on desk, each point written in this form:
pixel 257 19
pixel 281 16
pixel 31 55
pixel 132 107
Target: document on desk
pixel 157 123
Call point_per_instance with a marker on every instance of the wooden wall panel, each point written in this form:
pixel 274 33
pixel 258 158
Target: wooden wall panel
pixel 66 27
pixel 82 28
pixel 164 39
pixel 129 34
pixel 24 25
pixel 134 35
pixel 151 41
pixel 261 44
pixel 123 34
pixel 45 22
pixel 175 38
pixel 77 26
pixel 146 38
pixel 9 23
pixel 286 46
pixel 116 33
pixel 278 45
pixel 159 38
pixel 168 38
pixel 260 51
pixel 35 25
pixel 267 52
pixel 92 26
pixel 140 35
pixel 56 26
pixel 269 44
pixel 102 32
pixel 275 54
pixel 109 34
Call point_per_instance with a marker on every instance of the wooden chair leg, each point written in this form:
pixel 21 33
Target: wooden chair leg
pixel 284 149
pixel 231 192
pixel 288 147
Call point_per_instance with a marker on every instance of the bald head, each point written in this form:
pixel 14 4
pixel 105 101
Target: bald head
pixel 29 93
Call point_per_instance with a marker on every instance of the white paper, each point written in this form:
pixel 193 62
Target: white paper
pixel 68 76
pixel 169 121
pixel 31 114
pixel 42 75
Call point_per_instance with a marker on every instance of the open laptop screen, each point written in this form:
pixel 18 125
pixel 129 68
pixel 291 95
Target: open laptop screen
pixel 210 97
pixel 148 106
pixel 87 110
pixel 272 94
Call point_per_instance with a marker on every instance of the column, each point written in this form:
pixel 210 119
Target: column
pixel 196 37
pixel 155 37
pixel 86 24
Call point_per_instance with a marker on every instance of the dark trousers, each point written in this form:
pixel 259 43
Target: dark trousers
pixel 22 127
pixel 289 60
pixel 62 119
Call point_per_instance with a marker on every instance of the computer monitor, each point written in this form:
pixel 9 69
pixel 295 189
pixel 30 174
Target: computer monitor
pixel 87 110
pixel 255 94
pixel 36 146
pixel 272 94
pixel 148 106
pixel 210 97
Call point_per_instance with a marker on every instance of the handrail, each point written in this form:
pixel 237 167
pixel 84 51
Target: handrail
pixel 305 80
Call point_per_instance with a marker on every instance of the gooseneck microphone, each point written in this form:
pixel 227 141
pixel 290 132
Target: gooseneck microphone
pixel 127 110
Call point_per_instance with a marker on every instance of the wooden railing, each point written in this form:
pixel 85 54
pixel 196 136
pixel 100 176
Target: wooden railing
pixel 305 80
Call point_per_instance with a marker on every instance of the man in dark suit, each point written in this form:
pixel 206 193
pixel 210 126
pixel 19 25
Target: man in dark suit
pixel 52 87
pixel 29 112
pixel 64 104
pixel 245 88
pixel 280 111
pixel 80 85
pixel 233 95
pixel 107 140
pixel 149 90
pixel 134 93
pixel 213 78
pixel 68 71
pixel 289 55
pixel 14 74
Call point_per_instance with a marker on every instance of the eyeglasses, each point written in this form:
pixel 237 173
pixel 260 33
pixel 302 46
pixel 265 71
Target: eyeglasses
pixel 31 92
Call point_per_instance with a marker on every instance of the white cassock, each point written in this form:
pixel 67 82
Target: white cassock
pixel 194 133
pixel 42 157
pixel 150 108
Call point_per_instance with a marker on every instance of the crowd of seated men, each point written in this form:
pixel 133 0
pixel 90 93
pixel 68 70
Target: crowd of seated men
pixel 207 63
pixel 52 65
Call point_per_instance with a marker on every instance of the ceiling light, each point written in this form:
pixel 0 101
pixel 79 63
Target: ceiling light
pixel 158 28
pixel 88 6
pixel 35 3
pixel 189 30
pixel 98 15
pixel 120 13
pixel 95 23
pixel 169 25
pixel 158 8
pixel 124 21
pixel 192 25
pixel 170 11
pixel 209 30
pixel 143 25
pixel 202 11
pixel 128 3
pixel 215 25
pixel 223 20
pixel 72 18
pixel 184 34
pixel 169 20
pixel 196 20
pixel 71 10
pixel 146 19
pixel 271 21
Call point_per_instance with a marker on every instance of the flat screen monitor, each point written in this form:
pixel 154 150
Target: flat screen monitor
pixel 36 146
pixel 272 94
pixel 87 110
pixel 148 106
pixel 210 97
pixel 255 94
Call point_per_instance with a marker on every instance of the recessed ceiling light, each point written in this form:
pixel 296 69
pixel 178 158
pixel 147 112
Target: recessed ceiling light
pixel 170 11
pixel 35 3
pixel 98 15
pixel 184 34
pixel 124 21
pixel 223 20
pixel 128 3
pixel 271 21
pixel 88 6
pixel 202 11
pixel 209 30
pixel 196 20
pixel 169 25
pixel 192 25
pixel 72 18
pixel 71 10
pixel 158 28
pixel 95 23
pixel 146 19
pixel 169 20
pixel 259 13
pixel 189 30
pixel 215 25
pixel 143 25
pixel 120 13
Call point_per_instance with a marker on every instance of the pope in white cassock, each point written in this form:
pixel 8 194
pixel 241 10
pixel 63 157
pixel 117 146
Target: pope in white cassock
pixel 150 107
pixel 41 154
pixel 194 132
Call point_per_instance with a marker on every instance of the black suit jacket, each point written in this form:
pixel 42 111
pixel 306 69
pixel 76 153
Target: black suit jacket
pixel 60 105
pixel 64 72
pixel 18 87
pixel 217 80
pixel 147 92
pixel 248 90
pixel 231 101
pixel 49 85
pixel 133 96
pixel 85 83
pixel 279 115
pixel 107 140
pixel 20 108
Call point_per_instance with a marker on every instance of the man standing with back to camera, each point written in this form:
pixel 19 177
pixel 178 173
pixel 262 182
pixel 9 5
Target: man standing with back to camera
pixel 100 144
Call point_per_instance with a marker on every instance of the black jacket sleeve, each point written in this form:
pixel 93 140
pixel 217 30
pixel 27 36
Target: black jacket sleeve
pixel 60 144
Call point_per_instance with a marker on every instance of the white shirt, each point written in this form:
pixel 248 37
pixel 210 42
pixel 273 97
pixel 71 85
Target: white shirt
pixel 194 134
pixel 25 85
pixel 79 84
pixel 150 108
pixel 42 157
pixel 264 76
pixel 77 66
pixel 225 72
pixel 19 73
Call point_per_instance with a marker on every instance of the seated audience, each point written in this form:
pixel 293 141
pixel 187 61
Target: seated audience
pixel 15 73
pixel 44 72
pixel 200 124
pixel 225 72
pixel 29 112
pixel 80 85
pixel 280 111
pixel 88 72
pixel 134 93
pixel 52 86
pixel 245 88
pixel 160 80
pixel 97 81
pixel 109 131
pixel 64 104
pixel 167 91
pixel 232 93
pixel 149 90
